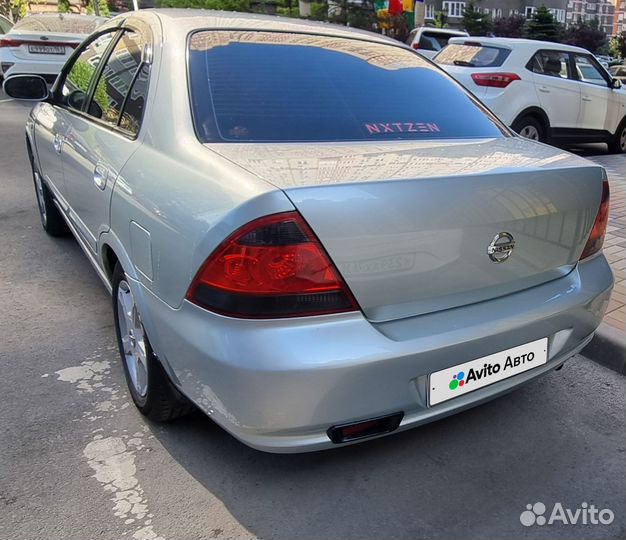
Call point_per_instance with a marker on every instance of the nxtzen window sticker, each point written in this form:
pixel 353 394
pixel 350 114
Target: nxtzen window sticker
pixel 401 127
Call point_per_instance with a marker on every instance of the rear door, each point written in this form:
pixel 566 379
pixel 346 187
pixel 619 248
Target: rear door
pixel 104 135
pixel 558 91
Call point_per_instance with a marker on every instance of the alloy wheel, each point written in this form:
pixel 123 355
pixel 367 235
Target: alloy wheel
pixel 133 339
pixel 530 132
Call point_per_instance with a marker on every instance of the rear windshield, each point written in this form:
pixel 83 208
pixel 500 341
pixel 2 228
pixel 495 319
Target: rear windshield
pixel 434 41
pixel 71 24
pixel 280 87
pixel 472 55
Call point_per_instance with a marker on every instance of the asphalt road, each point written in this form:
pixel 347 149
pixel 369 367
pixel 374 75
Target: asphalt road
pixel 77 460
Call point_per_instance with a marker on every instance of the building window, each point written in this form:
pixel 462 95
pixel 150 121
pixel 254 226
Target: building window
pixel 454 9
pixel 430 11
pixel 529 11
pixel 559 14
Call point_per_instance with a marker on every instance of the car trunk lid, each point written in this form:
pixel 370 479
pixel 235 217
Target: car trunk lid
pixel 409 225
pixel 32 45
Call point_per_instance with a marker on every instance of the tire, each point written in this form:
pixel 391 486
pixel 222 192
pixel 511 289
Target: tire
pixel 51 219
pixel 530 128
pixel 618 143
pixel 149 386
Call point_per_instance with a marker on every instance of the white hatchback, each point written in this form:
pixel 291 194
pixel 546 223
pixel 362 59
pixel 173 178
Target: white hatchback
pixel 544 91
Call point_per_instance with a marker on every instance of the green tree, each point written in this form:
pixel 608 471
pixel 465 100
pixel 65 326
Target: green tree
pixel 441 20
pixel 586 35
pixel 103 7
pixel 225 5
pixel 618 45
pixel 512 26
pixel 542 26
pixel 356 14
pixel 475 22
pixel 64 6
pixel 14 9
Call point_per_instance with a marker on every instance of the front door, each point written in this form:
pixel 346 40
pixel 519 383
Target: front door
pixel 102 136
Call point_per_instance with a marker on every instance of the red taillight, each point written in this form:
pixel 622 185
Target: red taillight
pixel 5 42
pixel 495 80
pixel 596 237
pixel 10 42
pixel 416 45
pixel 272 267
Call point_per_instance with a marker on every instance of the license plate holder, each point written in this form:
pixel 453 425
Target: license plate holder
pixel 463 378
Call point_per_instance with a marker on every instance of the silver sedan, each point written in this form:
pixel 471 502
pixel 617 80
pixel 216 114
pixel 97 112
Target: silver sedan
pixel 311 233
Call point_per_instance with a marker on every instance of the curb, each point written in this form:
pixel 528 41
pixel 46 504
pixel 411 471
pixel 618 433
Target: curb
pixel 608 347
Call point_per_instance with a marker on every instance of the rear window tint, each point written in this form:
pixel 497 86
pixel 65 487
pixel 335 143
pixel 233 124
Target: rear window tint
pixel 472 55
pixel 434 41
pixel 280 87
pixel 64 23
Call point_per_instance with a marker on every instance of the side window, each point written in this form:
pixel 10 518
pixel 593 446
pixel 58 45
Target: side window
pixel 136 102
pixel 78 79
pixel 117 78
pixel 587 70
pixel 551 63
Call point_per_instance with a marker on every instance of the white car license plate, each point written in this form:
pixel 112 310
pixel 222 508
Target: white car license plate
pixel 46 49
pixel 463 378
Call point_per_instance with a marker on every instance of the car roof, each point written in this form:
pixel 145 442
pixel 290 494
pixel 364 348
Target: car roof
pixel 519 43
pixel 460 33
pixel 62 16
pixel 188 20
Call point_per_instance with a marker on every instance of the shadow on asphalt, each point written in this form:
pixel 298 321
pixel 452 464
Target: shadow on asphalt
pixel 488 462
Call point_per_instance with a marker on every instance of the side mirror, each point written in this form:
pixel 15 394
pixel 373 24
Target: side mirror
pixel 616 84
pixel 26 87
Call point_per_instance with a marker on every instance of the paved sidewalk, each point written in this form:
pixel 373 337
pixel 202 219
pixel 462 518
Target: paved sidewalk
pixel 615 241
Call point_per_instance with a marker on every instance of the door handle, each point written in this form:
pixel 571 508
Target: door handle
pixel 544 89
pixel 100 175
pixel 57 142
pixel 586 98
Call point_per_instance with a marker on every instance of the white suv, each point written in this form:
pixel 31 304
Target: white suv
pixel 543 90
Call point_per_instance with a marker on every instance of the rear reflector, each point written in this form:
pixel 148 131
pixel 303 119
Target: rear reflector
pixel 365 428
pixel 596 237
pixel 273 267
pixel 495 80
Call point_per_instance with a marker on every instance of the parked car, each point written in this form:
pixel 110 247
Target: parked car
pixel 618 72
pixel 429 41
pixel 5 24
pixel 544 91
pixel 41 44
pixel 310 270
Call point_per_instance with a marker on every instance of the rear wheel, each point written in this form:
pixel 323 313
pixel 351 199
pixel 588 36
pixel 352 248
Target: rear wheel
pixel 618 144
pixel 151 390
pixel 51 219
pixel 530 128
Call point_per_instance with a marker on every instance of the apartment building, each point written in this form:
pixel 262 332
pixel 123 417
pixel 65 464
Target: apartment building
pixel 496 8
pixel 619 17
pixel 566 12
pixel 588 10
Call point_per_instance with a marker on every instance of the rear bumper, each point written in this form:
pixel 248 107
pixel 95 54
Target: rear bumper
pixel 48 70
pixel 279 385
